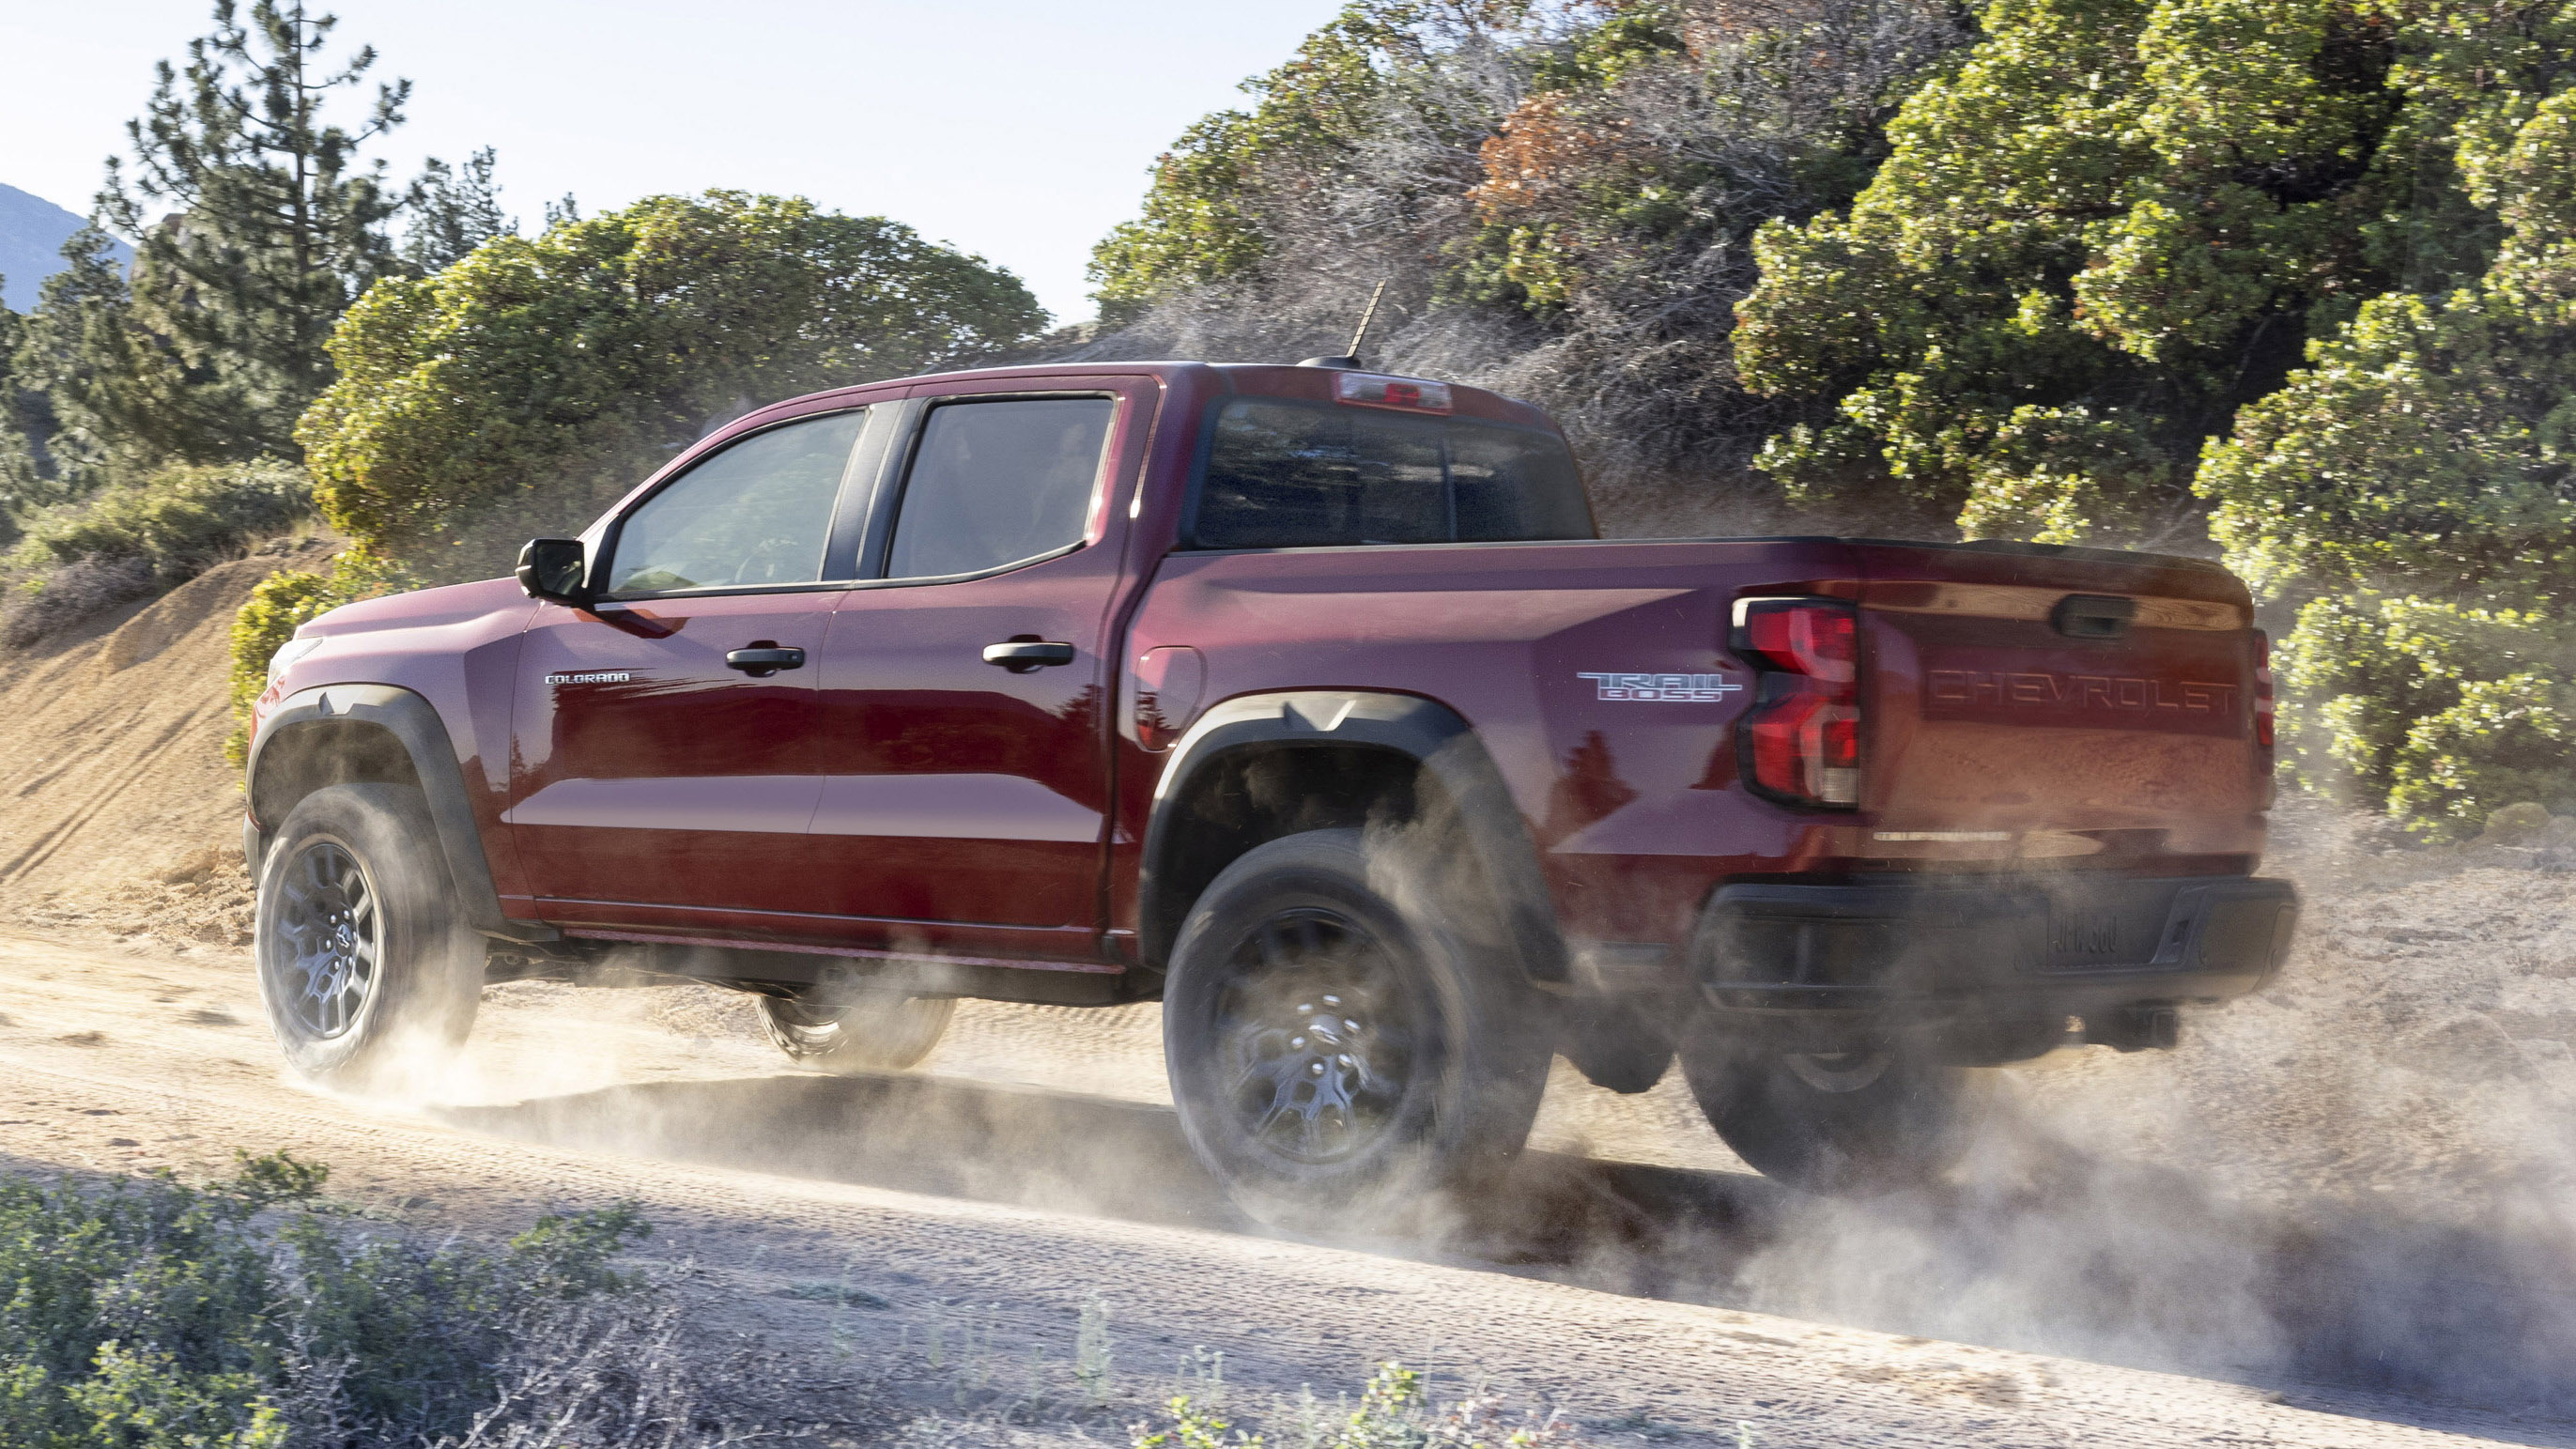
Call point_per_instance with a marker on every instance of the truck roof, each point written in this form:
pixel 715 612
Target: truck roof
pixel 1258 379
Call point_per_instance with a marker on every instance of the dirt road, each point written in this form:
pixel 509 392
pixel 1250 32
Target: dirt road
pixel 1033 1164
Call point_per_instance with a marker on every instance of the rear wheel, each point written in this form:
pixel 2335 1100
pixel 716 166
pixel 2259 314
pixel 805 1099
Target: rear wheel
pixel 1873 1118
pixel 1337 1051
pixel 870 1034
pixel 365 968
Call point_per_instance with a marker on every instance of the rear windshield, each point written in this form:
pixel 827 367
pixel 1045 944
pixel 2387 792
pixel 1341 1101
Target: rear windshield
pixel 1302 475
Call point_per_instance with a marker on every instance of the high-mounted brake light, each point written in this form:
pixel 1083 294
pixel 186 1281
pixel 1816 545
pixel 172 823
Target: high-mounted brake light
pixel 1375 390
pixel 1800 742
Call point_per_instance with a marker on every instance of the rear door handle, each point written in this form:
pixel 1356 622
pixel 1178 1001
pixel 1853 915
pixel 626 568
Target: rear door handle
pixel 1022 655
pixel 758 662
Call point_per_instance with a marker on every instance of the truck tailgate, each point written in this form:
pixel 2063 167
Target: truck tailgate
pixel 2081 704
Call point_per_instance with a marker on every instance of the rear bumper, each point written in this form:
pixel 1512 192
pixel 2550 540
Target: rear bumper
pixel 2021 947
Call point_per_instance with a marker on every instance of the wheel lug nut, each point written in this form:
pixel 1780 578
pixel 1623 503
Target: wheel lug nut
pixel 1314 1069
pixel 1344 1059
pixel 1303 1007
pixel 1297 1042
pixel 1349 1025
pixel 1332 1001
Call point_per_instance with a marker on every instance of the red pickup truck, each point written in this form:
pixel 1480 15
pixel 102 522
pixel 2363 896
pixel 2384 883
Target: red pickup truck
pixel 1306 700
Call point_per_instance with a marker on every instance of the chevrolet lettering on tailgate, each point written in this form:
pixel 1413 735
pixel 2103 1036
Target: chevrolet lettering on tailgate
pixel 2182 703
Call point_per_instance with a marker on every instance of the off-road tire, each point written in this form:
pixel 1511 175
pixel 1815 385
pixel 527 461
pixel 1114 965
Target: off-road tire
pixel 366 969
pixel 880 1032
pixel 1344 1056
pixel 1855 1124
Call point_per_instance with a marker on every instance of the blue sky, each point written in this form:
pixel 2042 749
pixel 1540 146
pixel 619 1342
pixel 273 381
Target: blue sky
pixel 1017 129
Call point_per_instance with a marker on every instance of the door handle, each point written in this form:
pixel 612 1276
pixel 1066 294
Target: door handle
pixel 765 661
pixel 1022 655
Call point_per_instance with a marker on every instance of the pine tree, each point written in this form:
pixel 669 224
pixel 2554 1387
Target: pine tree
pixel 116 398
pixel 453 211
pixel 274 225
pixel 20 473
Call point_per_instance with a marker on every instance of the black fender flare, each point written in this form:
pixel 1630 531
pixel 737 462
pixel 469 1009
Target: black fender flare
pixel 1439 742
pixel 413 722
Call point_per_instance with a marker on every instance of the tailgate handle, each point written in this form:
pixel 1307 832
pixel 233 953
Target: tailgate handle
pixel 2093 616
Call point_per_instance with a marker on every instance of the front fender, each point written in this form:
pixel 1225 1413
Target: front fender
pixel 304 744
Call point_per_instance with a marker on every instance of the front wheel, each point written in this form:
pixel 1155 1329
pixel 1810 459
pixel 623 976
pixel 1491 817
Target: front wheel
pixel 875 1033
pixel 1873 1118
pixel 1339 1053
pixel 365 968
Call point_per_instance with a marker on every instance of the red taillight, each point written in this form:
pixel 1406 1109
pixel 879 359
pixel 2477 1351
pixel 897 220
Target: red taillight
pixel 2263 710
pixel 1800 743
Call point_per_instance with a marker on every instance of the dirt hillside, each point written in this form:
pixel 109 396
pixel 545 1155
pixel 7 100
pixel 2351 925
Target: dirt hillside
pixel 116 805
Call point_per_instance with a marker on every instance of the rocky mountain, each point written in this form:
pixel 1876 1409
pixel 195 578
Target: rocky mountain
pixel 32 230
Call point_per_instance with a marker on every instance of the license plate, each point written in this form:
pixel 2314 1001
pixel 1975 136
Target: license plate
pixel 2078 937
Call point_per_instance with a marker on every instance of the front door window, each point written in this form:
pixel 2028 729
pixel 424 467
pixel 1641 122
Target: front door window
pixel 759 513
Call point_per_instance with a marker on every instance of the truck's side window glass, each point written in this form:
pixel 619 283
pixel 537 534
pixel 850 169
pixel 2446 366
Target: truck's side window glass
pixel 1297 475
pixel 993 483
pixel 756 513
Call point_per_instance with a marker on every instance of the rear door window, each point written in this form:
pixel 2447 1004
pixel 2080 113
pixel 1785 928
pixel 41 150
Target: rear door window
pixel 998 482
pixel 1298 475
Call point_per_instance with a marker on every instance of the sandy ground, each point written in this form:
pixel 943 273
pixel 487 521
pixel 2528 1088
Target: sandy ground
pixel 2343 1214
pixel 114 794
pixel 2101 1276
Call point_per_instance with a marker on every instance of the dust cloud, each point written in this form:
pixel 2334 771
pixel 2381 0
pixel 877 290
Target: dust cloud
pixel 2360 1177
pixel 2365 1174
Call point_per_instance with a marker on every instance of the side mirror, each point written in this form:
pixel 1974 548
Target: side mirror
pixel 556 570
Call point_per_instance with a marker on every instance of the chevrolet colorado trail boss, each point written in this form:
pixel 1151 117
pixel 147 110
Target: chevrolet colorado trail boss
pixel 1306 700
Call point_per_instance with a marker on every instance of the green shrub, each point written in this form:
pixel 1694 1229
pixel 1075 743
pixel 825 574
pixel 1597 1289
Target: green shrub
pixel 177 520
pixel 2436 713
pixel 1394 1412
pixel 282 603
pixel 132 539
pixel 247 1314
pixel 2509 740
pixel 571 365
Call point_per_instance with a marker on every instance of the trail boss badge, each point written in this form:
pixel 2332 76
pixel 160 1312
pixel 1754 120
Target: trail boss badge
pixel 1664 688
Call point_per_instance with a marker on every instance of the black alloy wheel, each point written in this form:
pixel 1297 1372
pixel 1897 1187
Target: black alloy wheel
pixel 365 968
pixel 330 936
pixel 1320 1038
pixel 1344 1058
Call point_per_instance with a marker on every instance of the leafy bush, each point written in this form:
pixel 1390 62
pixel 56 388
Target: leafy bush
pixel 2434 712
pixel 567 367
pixel 2432 442
pixel 1560 199
pixel 1393 1412
pixel 247 1315
pixel 282 603
pixel 129 539
pixel 178 519
pixel 2109 226
pixel 58 598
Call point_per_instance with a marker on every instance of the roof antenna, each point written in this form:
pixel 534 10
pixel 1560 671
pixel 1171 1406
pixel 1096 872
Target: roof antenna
pixel 1351 358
